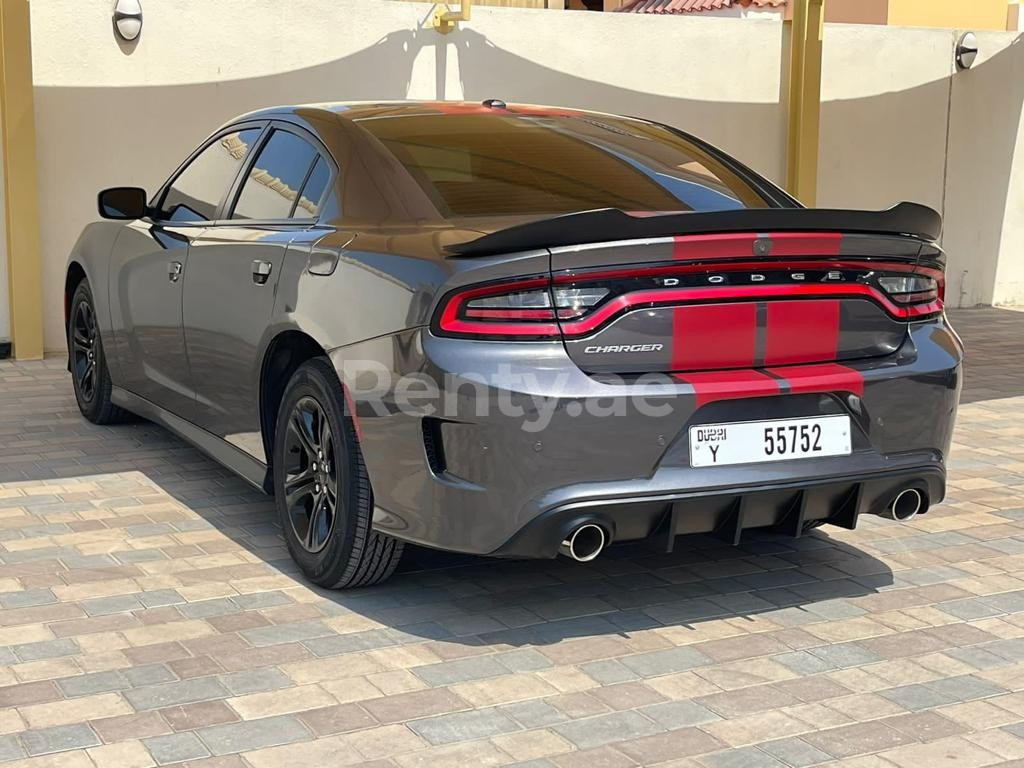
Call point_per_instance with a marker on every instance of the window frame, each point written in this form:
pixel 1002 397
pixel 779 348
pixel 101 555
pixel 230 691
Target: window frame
pixel 161 193
pixel 227 209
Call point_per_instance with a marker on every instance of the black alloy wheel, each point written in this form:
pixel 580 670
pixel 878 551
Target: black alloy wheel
pixel 87 361
pixel 312 480
pixel 83 350
pixel 321 487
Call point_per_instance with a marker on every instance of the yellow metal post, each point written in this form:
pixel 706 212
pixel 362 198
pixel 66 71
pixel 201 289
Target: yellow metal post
pixel 806 32
pixel 21 214
pixel 445 19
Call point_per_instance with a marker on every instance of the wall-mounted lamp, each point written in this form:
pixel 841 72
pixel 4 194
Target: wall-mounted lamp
pixel 128 19
pixel 445 19
pixel 966 50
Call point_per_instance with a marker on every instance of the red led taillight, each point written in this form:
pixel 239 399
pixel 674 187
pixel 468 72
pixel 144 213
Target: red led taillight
pixel 577 304
pixel 520 309
pixel 523 309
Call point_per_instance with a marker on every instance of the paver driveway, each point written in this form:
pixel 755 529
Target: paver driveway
pixel 149 613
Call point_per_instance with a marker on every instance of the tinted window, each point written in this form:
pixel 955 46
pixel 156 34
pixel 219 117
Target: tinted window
pixel 313 192
pixel 472 165
pixel 197 191
pixel 273 184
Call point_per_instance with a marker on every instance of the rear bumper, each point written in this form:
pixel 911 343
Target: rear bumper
pixel 726 513
pixel 461 474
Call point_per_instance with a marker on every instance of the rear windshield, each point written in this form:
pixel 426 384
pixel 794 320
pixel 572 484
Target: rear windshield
pixel 491 165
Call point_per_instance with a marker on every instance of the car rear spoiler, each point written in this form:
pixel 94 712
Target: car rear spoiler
pixel 611 224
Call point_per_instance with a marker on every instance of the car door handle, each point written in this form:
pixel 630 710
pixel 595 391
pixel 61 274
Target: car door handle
pixel 174 270
pixel 261 271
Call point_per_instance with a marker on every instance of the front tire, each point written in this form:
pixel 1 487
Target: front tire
pixel 89 372
pixel 321 488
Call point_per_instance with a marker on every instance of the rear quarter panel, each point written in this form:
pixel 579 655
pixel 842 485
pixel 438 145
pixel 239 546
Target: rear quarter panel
pixel 347 287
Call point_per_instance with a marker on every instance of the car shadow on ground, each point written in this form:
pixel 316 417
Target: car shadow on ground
pixel 630 588
pixel 463 602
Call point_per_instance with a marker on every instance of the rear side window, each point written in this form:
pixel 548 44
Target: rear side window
pixel 274 187
pixel 474 165
pixel 198 190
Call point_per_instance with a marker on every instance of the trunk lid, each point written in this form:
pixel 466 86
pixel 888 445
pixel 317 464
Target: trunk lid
pixel 704 302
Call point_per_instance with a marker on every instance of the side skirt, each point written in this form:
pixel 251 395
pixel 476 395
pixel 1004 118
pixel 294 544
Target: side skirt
pixel 235 459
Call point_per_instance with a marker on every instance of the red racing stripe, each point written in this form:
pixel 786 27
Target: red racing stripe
pixel 712 386
pixel 534 110
pixel 456 108
pixel 713 336
pixel 801 331
pixel 806 243
pixel 825 377
pixel 690 247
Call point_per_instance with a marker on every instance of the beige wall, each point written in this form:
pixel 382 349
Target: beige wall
pixel 985 182
pixel 892 104
pixel 108 114
pixel 885 95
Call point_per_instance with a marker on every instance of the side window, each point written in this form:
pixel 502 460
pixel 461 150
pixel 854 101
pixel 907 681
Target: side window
pixel 197 191
pixel 313 191
pixel 275 180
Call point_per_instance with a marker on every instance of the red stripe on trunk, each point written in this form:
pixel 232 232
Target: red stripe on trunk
pixel 713 336
pixel 801 332
pixel 692 247
pixel 711 386
pixel 456 108
pixel 826 377
pixel 806 243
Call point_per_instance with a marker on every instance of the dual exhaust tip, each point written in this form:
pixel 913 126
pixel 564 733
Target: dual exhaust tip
pixel 585 543
pixel 588 540
pixel 906 506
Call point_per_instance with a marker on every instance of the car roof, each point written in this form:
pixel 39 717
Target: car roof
pixel 359 110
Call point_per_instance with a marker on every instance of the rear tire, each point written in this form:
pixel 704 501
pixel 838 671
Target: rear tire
pixel 89 373
pixel 321 488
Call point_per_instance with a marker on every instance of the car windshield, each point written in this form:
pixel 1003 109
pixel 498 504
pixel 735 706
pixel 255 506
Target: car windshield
pixel 515 164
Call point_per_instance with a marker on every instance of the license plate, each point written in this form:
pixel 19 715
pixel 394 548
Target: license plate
pixel 749 442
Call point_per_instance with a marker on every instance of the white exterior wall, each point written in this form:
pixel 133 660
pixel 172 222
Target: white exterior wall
pixel 108 114
pixel 985 180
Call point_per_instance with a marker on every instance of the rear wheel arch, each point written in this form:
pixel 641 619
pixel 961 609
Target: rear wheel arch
pixel 74 275
pixel 285 353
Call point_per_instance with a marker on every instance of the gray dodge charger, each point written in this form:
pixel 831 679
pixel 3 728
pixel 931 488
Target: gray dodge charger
pixel 516 331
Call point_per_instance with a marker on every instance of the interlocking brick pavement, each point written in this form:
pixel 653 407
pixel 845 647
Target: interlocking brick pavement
pixel 149 615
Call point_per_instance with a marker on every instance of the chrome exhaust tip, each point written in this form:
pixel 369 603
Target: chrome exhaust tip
pixel 585 543
pixel 905 506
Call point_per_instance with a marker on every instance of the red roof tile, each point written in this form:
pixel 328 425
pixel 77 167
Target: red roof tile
pixel 692 6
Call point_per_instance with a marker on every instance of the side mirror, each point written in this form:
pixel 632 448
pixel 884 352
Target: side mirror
pixel 123 203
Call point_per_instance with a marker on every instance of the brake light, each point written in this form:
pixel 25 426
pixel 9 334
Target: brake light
pixel 523 309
